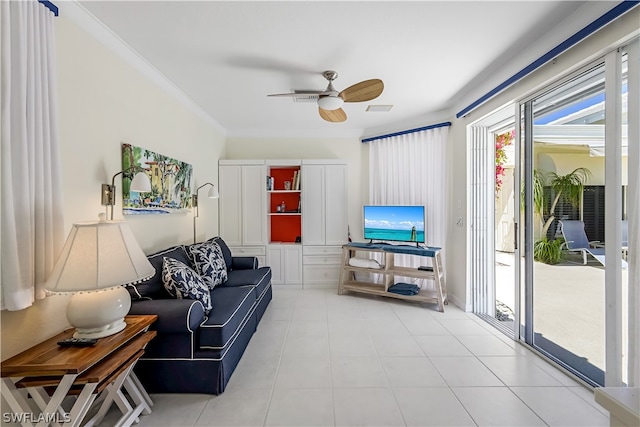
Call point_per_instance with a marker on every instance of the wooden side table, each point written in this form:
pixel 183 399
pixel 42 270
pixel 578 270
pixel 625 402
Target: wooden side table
pixel 49 373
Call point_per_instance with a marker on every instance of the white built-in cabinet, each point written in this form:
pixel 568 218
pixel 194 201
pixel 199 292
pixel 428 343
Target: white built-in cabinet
pixel 242 205
pixel 324 220
pixel 324 203
pixel 252 225
pixel 285 261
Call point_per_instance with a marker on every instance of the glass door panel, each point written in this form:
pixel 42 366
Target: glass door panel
pixel 567 295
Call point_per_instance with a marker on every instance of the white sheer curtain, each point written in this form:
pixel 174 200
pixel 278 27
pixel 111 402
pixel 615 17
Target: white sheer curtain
pixel 411 169
pixel 32 227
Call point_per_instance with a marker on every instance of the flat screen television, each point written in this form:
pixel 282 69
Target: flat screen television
pixel 394 223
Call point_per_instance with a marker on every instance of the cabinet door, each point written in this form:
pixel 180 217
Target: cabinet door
pixel 230 205
pixel 313 207
pixel 292 264
pixel 275 260
pixel 335 204
pixel 254 202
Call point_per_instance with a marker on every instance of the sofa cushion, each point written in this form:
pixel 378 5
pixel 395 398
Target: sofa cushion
pixel 233 305
pixel 258 278
pixel 182 282
pixel 154 287
pixel 208 260
pixel 226 252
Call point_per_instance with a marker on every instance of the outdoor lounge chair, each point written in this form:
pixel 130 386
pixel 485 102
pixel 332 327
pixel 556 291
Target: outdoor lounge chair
pixel 575 240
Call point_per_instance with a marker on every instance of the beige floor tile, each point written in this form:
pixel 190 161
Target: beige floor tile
pixel 558 406
pixel 366 407
pixel 431 406
pixel 496 406
pixel 301 407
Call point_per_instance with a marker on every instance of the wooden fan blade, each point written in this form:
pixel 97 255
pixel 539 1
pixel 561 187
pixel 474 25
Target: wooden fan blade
pixel 363 91
pixel 334 116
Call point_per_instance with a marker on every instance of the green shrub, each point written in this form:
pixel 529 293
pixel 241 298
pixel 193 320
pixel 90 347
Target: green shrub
pixel 548 251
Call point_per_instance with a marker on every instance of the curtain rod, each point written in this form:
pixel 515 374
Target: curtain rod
pixel 594 26
pixel 52 7
pixel 404 132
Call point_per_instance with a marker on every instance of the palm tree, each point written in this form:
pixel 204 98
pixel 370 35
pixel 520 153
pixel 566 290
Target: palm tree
pixel 567 187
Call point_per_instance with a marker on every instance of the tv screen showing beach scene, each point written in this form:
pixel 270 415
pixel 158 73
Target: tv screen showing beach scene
pixel 395 223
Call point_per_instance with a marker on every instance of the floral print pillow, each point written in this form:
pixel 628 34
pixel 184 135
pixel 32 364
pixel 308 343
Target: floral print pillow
pixel 208 259
pixel 182 282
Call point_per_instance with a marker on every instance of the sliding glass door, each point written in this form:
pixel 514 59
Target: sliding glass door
pixel 551 203
pixel 575 165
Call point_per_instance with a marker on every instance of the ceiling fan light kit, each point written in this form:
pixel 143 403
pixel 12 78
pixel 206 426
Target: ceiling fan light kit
pixel 330 101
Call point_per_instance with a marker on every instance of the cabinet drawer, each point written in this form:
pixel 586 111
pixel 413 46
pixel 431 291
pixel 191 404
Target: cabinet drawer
pixel 322 250
pixel 316 274
pixel 321 260
pixel 248 251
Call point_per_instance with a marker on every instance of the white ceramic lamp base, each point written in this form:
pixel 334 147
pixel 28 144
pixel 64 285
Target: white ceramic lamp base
pixel 99 314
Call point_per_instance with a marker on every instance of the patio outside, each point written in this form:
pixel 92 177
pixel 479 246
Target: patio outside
pixel 569 307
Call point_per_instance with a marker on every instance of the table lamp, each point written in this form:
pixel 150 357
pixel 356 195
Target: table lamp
pixel 97 259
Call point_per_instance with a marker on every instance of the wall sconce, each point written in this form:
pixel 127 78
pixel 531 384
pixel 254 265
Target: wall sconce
pixel 212 194
pixel 140 184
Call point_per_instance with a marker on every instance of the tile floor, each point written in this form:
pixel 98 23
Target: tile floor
pixel 319 359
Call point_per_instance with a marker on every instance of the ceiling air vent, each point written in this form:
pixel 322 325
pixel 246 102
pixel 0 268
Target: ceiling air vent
pixel 379 107
pixel 304 97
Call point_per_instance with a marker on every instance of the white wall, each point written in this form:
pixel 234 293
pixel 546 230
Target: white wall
pixel 104 101
pixel 355 153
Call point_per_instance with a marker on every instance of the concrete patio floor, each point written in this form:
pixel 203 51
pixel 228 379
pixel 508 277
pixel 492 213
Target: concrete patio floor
pixel 569 304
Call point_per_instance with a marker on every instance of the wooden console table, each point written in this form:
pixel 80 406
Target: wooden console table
pixel 389 271
pixel 49 373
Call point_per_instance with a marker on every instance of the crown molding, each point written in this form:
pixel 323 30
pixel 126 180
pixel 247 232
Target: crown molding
pixel 77 13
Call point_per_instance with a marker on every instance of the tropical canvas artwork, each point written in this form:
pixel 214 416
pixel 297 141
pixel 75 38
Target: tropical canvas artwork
pixel 170 183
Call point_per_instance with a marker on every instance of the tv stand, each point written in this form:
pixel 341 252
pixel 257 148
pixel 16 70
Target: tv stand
pixel 389 272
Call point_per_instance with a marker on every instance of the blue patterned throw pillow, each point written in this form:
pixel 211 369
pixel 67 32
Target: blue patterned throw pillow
pixel 208 259
pixel 182 282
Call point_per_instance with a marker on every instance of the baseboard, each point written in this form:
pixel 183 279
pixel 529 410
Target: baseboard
pixel 455 301
pixel 321 286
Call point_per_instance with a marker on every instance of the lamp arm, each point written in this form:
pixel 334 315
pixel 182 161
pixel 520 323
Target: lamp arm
pixel 203 185
pixel 113 179
pixel 194 203
pixel 112 189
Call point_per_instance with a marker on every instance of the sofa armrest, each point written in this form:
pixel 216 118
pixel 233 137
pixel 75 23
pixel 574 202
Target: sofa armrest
pixel 244 263
pixel 174 315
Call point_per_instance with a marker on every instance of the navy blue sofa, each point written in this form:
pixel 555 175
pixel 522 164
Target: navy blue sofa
pixel 193 353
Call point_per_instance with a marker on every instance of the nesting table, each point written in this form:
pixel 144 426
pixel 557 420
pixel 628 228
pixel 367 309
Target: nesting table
pixel 95 375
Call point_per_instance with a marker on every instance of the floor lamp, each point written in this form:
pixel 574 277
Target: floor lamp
pixel 212 194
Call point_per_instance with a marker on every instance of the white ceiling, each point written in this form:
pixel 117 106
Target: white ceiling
pixel 227 56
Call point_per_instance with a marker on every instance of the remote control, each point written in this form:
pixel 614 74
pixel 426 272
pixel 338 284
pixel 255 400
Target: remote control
pixel 425 268
pixel 78 342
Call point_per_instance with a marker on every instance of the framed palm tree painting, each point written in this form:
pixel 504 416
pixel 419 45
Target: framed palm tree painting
pixel 170 182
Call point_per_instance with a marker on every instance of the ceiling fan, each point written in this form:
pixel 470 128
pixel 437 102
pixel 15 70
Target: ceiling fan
pixel 330 100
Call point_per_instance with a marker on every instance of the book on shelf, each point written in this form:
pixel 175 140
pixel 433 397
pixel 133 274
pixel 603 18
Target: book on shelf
pixel 296 180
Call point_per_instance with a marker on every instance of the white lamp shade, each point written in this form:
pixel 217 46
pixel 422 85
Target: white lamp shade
pixel 213 193
pixel 140 183
pixel 99 255
pixel 330 102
